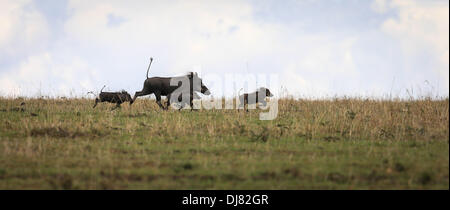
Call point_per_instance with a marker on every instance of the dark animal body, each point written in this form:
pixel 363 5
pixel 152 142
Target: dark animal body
pixel 113 97
pixel 181 103
pixel 161 86
pixel 258 96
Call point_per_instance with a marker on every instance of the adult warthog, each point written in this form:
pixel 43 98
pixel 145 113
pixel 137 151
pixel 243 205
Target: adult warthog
pixel 182 86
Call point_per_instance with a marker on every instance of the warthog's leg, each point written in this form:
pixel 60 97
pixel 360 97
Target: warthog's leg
pixel 96 102
pixel 117 106
pixel 158 100
pixel 141 93
pixel 182 104
pixel 192 103
pixel 246 103
pixel 168 101
pixel 241 105
pixel 264 104
pixel 242 102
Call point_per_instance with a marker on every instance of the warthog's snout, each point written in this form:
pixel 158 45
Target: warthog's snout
pixel 207 92
pixel 204 90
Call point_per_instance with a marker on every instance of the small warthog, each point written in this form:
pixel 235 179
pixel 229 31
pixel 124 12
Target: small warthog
pixel 113 97
pixel 258 96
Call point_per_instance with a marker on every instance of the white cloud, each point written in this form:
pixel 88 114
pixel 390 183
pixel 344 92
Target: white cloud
pixel 380 6
pixel 49 75
pixel 22 27
pixel 194 32
pixel 204 33
pixel 420 26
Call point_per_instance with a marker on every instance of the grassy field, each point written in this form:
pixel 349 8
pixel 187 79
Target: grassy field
pixel 312 144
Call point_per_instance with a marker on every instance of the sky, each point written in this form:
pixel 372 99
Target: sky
pixel 317 48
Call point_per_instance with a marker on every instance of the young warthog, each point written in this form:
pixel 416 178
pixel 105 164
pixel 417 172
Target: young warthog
pixel 256 97
pixel 113 97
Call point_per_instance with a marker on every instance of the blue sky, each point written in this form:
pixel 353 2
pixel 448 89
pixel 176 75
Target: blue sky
pixel 318 48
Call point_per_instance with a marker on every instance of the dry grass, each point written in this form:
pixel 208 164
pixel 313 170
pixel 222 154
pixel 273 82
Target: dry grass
pixel 312 144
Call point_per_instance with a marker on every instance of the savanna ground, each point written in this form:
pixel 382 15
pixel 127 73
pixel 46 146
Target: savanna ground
pixel 312 144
